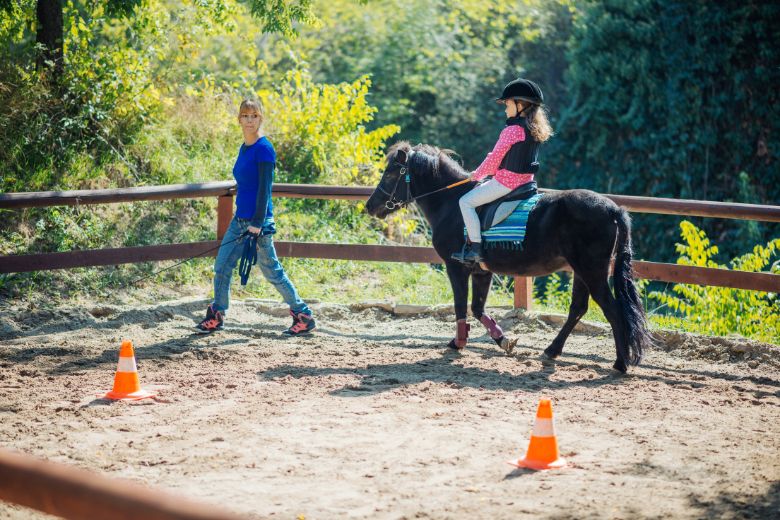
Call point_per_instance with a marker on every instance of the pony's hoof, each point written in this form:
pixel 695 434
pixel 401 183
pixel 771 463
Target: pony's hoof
pixel 508 345
pixel 454 346
pixel 550 353
pixel 620 367
pixel 546 360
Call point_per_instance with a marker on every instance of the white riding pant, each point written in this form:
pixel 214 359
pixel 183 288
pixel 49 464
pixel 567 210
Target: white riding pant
pixel 482 194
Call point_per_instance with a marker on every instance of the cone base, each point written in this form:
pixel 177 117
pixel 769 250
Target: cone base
pixel 539 465
pixel 135 396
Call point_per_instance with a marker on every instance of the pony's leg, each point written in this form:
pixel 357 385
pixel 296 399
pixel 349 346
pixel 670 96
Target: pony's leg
pixel 602 295
pixel 459 280
pixel 577 309
pixel 480 287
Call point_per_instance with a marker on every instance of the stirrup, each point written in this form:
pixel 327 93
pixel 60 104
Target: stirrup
pixel 470 254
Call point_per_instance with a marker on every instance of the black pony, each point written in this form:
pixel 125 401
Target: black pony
pixel 579 229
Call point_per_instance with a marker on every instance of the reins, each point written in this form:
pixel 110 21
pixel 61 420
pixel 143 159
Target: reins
pixel 447 187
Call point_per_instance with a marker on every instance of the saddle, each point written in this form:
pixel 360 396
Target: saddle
pixel 497 211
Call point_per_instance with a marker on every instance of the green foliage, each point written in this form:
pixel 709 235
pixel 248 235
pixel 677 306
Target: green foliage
pixel 119 8
pixel 436 66
pixel 280 15
pixel 721 310
pixel 109 83
pixel 671 99
pixel 106 94
pixel 193 140
pixel 319 132
pixel 556 295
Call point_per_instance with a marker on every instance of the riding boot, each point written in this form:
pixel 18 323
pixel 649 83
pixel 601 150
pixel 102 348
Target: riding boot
pixel 474 256
pixel 471 253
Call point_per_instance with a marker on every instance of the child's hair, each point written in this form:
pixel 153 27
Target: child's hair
pixel 250 105
pixel 538 123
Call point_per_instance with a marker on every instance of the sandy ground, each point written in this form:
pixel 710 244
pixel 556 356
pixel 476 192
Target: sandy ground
pixel 372 417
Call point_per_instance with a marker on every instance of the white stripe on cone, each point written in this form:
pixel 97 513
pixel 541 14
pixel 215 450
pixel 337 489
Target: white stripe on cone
pixel 126 364
pixel 544 428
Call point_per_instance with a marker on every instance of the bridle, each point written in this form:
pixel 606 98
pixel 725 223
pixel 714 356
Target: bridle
pixel 406 174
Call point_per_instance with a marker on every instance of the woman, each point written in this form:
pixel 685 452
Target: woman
pixel 254 174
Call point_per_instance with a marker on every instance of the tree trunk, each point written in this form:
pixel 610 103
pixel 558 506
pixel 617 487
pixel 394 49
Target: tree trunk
pixel 49 34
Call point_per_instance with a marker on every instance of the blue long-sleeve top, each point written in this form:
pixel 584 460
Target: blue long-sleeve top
pixel 254 174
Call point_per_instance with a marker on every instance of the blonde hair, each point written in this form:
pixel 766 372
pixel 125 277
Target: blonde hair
pixel 538 124
pixel 250 105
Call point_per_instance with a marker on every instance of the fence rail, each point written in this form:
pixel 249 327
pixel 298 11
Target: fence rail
pixel 225 191
pixel 692 208
pixel 74 493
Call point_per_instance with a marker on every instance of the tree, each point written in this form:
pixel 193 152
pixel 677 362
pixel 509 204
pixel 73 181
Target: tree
pixel 435 64
pixel 276 15
pixel 673 99
pixel 49 34
pixel 49 27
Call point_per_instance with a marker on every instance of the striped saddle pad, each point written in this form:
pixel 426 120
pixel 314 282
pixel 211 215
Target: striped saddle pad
pixel 510 233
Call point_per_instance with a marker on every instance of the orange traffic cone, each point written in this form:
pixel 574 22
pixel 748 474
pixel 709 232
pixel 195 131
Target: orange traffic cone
pixel 126 383
pixel 543 448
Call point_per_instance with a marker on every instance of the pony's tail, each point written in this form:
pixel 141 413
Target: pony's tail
pixel 636 336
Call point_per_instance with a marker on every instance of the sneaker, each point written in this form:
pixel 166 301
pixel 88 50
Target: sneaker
pixel 302 324
pixel 212 322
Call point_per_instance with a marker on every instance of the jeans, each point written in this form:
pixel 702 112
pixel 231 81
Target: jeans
pixel 228 256
pixel 482 194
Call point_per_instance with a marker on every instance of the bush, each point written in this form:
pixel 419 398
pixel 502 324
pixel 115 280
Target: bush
pixel 319 133
pixel 722 310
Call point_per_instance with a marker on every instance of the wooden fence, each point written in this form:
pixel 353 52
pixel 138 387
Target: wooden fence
pixel 225 191
pixel 70 492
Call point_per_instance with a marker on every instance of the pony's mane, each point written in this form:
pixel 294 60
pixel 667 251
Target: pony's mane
pixel 427 158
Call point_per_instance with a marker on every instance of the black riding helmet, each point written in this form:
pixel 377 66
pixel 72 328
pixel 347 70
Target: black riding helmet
pixel 523 90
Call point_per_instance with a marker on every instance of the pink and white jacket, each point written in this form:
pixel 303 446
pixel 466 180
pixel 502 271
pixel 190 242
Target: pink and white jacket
pixel 511 135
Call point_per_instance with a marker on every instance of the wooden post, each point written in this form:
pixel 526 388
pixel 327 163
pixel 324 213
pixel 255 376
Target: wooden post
pixel 224 214
pixel 524 292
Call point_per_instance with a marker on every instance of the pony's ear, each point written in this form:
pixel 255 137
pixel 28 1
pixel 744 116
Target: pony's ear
pixel 401 156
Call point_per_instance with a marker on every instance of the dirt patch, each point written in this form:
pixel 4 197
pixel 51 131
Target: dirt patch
pixel 715 348
pixel 372 417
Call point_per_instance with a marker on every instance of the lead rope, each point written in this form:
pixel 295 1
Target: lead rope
pixel 248 258
pixel 179 263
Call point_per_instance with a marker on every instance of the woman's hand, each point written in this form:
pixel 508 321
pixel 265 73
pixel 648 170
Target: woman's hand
pixel 253 230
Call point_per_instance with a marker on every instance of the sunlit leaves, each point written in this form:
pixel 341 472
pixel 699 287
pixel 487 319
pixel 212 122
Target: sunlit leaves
pixel 282 15
pixel 320 133
pixel 722 310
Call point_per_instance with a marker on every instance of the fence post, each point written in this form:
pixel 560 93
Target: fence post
pixel 224 214
pixel 524 292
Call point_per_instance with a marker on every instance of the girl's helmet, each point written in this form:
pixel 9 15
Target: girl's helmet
pixel 524 90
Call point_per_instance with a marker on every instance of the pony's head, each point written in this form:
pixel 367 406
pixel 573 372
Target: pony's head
pixel 409 172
